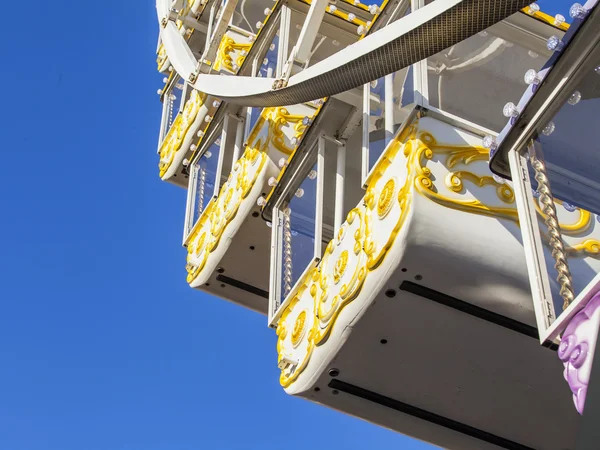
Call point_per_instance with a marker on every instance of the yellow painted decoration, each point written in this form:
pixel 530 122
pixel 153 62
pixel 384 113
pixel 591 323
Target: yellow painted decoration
pixel 340 267
pixel 227 48
pixel 222 210
pixel 384 204
pixel 417 148
pixel 299 328
pixel 181 126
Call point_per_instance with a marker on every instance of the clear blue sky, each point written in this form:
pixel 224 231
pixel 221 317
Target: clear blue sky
pixel 102 344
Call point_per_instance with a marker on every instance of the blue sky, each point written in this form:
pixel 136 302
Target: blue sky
pixel 103 345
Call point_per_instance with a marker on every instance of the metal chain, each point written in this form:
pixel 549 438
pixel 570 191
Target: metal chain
pixel 287 252
pixel 202 182
pixel 171 103
pixel 546 202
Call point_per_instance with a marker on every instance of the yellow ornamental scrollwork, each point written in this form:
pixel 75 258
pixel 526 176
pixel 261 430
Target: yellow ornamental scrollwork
pixel 277 119
pixel 227 48
pixel 352 256
pixel 299 328
pixel 428 147
pixel 340 267
pixel 181 126
pixel 386 198
pixel 222 210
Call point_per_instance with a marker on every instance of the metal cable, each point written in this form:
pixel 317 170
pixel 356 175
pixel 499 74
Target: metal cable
pixel 546 202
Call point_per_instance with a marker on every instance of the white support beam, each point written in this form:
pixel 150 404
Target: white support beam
pixel 389 108
pixel 218 30
pixel 284 35
pixel 365 134
pixel 223 146
pixel 340 175
pixel 319 197
pixel 310 29
pixel 239 139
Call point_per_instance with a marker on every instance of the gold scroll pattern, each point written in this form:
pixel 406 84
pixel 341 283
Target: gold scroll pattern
pixel 228 50
pixel 181 126
pixel 218 214
pixel 371 229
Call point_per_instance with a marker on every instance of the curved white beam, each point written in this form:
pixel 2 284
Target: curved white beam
pixel 419 35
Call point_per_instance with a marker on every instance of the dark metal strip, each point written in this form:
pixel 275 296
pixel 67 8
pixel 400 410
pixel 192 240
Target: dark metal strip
pixel 243 286
pixel 426 415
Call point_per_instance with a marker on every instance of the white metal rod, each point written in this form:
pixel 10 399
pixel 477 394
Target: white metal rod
pixel 222 148
pixel 340 175
pixel 211 19
pixel 365 133
pixel 389 108
pixel 309 31
pixel 239 140
pixel 284 33
pixel 319 197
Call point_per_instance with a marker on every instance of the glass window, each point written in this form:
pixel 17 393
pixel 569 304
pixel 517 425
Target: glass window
pixel 476 77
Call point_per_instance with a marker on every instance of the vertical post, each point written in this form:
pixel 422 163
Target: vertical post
pixel 223 145
pixel 284 33
pixel 249 108
pixel 340 175
pixel 275 266
pixel 211 19
pixel 191 196
pixel 389 108
pixel 319 197
pixel 163 123
pixel 532 243
pixel 239 140
pixel 365 133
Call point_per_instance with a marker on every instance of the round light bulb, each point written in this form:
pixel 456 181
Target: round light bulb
pixel 577 11
pixel 318 102
pixel 269 224
pixel 306 121
pixel 555 44
pixel 165 79
pixel 272 47
pixel 282 163
pixel 489 142
pixel 267 11
pixel 533 8
pixel 532 77
pixel 272 182
pixel 574 98
pixel 207 119
pixel 207 154
pixel 259 25
pixel 265 61
pixel 373 9
pixel 193 147
pixel 159 92
pixel 332 8
pixel 216 103
pixel 217 142
pixel 373 84
pixel 549 129
pixel 300 193
pixel 312 174
pixel 510 110
pixel 294 141
pixel 351 17
pixel 261 201
pixel 559 19
pixel 335 43
pixel 361 29
pixel 200 133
